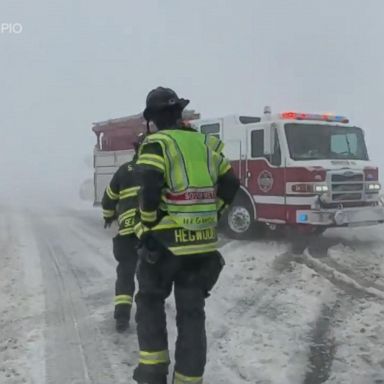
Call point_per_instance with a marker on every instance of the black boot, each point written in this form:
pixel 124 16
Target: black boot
pixel 122 324
pixel 151 374
pixel 122 315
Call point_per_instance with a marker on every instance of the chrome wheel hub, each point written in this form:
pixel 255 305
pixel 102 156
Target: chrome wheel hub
pixel 239 219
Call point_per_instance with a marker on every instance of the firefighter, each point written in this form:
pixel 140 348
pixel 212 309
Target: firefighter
pixel 120 203
pixel 185 184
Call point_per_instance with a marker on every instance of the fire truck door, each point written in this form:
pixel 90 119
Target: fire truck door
pixel 265 173
pixel 258 153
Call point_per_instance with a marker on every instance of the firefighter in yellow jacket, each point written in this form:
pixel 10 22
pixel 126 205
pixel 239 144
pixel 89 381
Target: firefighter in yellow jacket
pixel 120 202
pixel 185 184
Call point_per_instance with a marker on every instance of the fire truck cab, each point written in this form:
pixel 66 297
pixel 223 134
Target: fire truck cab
pixel 308 171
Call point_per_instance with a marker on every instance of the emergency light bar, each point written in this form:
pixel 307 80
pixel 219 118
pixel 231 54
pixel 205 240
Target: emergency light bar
pixel 312 116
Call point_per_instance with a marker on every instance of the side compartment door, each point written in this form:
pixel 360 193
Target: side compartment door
pixel 106 164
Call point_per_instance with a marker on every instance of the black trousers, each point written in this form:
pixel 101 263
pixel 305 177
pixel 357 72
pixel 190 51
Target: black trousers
pixel 125 252
pixel 192 277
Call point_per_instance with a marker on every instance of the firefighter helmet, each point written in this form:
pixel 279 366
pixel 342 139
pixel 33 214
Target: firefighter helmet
pixel 162 98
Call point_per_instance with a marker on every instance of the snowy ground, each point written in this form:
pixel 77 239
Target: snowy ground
pixel 273 318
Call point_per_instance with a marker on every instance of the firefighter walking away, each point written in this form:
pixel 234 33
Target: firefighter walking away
pixel 185 184
pixel 120 202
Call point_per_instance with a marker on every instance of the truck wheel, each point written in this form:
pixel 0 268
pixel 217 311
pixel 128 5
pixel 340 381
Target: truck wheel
pixel 238 221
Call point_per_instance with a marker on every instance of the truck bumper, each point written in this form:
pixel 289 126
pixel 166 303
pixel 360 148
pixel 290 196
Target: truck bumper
pixel 357 216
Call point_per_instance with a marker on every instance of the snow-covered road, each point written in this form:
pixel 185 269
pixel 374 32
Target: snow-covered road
pixel 273 318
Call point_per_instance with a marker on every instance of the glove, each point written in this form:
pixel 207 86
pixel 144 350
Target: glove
pixel 149 249
pixel 108 221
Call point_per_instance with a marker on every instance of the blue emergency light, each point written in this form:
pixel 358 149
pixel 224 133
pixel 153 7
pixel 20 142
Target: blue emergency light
pixel 303 217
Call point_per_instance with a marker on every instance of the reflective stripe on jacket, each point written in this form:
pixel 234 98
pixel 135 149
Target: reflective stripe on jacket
pixel 120 199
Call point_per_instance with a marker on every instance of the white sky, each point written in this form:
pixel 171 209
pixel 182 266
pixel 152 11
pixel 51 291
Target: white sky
pixel 80 61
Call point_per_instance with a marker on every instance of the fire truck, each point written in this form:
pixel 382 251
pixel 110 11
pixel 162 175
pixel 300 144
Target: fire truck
pixel 301 171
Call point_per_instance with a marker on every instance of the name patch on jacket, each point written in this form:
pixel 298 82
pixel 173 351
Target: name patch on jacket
pixel 185 236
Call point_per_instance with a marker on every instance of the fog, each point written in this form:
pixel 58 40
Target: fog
pixel 77 61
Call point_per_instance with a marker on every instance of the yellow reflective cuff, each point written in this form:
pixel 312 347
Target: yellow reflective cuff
pixel 225 166
pixel 182 379
pixel 129 192
pixel 108 213
pixel 193 249
pixel 112 195
pixel 152 160
pixel 149 217
pixel 123 299
pixel 153 358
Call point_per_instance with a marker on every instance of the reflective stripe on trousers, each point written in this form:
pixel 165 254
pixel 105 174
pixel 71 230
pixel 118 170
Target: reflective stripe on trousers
pixel 123 299
pixel 153 358
pixel 182 379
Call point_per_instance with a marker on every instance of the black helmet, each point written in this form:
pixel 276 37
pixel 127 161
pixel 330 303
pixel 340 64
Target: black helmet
pixel 161 98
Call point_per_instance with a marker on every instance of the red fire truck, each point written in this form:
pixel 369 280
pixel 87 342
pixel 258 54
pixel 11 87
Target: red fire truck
pixel 297 170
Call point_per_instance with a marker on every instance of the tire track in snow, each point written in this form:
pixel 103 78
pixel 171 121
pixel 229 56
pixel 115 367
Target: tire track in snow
pixel 352 274
pixel 352 287
pixel 322 349
pixel 341 280
pixel 266 307
pixel 74 352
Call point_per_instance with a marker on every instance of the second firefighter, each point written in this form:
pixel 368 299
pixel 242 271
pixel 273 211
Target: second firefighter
pixel 120 202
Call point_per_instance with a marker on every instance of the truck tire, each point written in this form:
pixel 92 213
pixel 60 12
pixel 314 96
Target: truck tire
pixel 238 221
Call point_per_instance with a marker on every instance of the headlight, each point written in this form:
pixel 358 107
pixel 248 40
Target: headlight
pixel 321 188
pixel 373 187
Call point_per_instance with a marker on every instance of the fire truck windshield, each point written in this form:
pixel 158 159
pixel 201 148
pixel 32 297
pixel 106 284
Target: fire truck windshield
pixel 315 142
